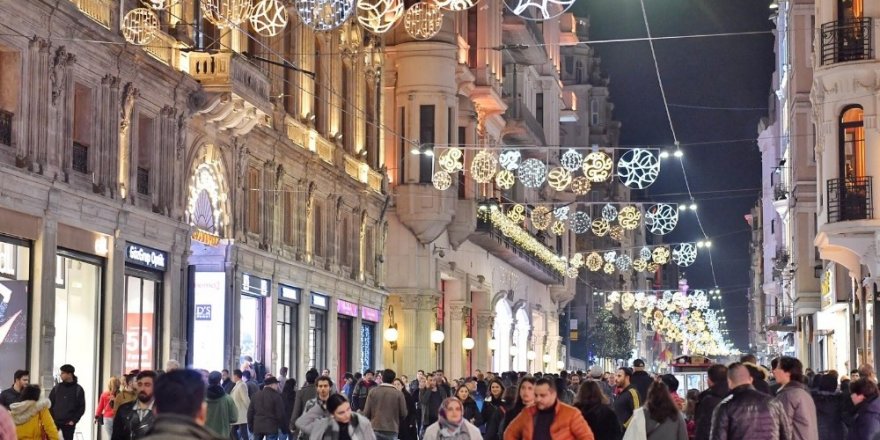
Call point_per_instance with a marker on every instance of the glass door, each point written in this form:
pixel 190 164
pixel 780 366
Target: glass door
pixel 141 331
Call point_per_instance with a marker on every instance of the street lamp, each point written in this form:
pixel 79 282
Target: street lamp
pixel 468 343
pixel 391 334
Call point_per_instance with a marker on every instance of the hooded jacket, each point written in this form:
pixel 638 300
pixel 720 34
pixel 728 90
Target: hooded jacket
pixel 177 427
pixel 29 416
pixel 222 412
pixel 266 412
pixel 831 414
pixel 68 402
pixel 867 420
pixel 568 424
pixel 706 403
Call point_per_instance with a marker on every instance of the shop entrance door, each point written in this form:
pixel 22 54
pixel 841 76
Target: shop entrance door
pixel 345 327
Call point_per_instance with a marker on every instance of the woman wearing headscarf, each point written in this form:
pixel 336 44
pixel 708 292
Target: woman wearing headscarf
pixel 451 424
pixel 343 423
pixel 31 416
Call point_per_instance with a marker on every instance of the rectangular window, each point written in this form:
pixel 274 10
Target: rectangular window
pixel 318 230
pixel 141 337
pixel 427 139
pixel 370 251
pixel 10 73
pixel 594 112
pixel 15 270
pixel 83 121
pixel 145 154
pixel 288 214
pixel 253 200
pixel 345 242
pixel 286 341
pixel 317 338
pixel 473 42
pixel 539 108
pixel 773 226
pixel 80 159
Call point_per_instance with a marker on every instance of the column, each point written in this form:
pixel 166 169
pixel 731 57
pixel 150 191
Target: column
pixel 456 316
pixel 176 306
pixel 481 352
pixel 332 347
pixel 302 332
pixel 114 306
pixel 415 350
pixel 43 321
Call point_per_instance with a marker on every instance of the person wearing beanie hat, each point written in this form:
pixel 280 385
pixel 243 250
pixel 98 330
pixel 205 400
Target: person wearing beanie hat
pixel 597 373
pixel 68 402
pixel 265 414
pixel 221 412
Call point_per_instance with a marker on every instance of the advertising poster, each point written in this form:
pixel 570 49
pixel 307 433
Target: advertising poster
pixel 138 341
pixel 13 326
pixel 209 311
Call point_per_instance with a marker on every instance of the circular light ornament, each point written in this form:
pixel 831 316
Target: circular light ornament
pixel 580 222
pixel 561 213
pixel 597 167
pixel 577 260
pixel 639 264
pixel 269 17
pixel 629 217
pixel 600 227
pixel 661 218
pixel 324 15
pixel 616 233
pixel 541 218
pixel 609 212
pixel 608 268
pixel 580 185
pixel 139 26
pixel 441 180
pixel 646 254
pixel 226 13
pixel 423 20
pixel 558 227
pixel 517 213
pixel 379 16
pixel 538 10
pixel 593 262
pixel 532 173
pixel 638 168
pixel 505 179
pixel 456 5
pixel 450 160
pixel 559 178
pixel 684 254
pixel 610 256
pixel 510 159
pixel 572 160
pixel 483 166
pixel 159 5
pixel 652 267
pixel 661 255
pixel 391 334
pixel 468 343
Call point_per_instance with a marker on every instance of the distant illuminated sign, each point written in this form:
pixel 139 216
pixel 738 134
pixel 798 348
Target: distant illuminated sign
pixel 346 308
pixel 144 256
pixel 369 314
pixel 254 286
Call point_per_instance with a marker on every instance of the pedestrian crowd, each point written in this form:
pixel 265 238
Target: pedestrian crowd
pixel 743 401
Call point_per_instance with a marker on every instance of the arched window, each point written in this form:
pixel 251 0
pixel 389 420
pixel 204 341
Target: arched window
pixel 852 143
pixel 521 340
pixel 501 334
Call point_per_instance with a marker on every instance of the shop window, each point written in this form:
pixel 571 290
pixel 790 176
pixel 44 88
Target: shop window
pixel 145 149
pixel 317 338
pixel 254 193
pixel 140 323
pixel 368 341
pixel 318 229
pixel 288 214
pixel 15 258
pixel 539 108
pixel 10 84
pixel 287 325
pixel 852 143
pixel 208 322
pixel 252 312
pixel 427 139
pixel 594 112
pixel 83 121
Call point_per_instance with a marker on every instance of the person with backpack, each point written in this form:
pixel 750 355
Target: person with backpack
pixel 68 402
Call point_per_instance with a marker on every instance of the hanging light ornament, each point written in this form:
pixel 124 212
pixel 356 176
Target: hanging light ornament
pixel 379 16
pixel 441 180
pixel 505 179
pixel 572 160
pixel 645 253
pixel 532 173
pixel 538 10
pixel 517 213
pixel 269 17
pixel 483 166
pixel 541 218
pixel 226 13
pixel 510 159
pixel 159 5
pixel 661 218
pixel 652 267
pixel 610 256
pixel 139 26
pixel 597 167
pixel 558 178
pixel 639 264
pixel 593 262
pixel 561 213
pixel 580 222
pixel 580 185
pixel 449 160
pixel 684 254
pixel 558 227
pixel 638 168
pixel 609 212
pixel 608 268
pixel 423 20
pixel 600 227
pixel 324 15
pixel 577 260
pixel 661 255
pixel 629 217
pixel 616 233
pixel 456 5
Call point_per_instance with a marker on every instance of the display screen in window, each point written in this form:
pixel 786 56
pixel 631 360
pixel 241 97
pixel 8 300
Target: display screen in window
pixel 13 326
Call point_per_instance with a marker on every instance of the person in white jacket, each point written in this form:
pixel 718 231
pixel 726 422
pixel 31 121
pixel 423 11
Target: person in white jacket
pixel 242 401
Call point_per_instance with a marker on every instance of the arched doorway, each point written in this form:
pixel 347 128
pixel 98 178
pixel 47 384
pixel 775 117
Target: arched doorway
pixel 522 327
pixel 501 334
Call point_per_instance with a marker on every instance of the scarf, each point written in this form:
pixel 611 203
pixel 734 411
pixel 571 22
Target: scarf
pixel 449 430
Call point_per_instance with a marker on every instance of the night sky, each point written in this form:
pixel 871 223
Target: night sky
pixel 721 156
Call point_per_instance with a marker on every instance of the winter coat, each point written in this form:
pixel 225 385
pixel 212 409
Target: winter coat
pixel 759 378
pixel 32 418
pixel 627 402
pixel 602 420
pixel 177 427
pixel 266 412
pixel 706 403
pixel 433 432
pixel 306 393
pixel 7 425
pixel 359 395
pixel 359 428
pixel 222 412
pixel 315 411
pixel 68 402
pixel 9 396
pixel 127 424
pixel 385 406
pixel 667 429
pixel 430 401
pixel 748 414
pixel 567 424
pixel 798 404
pixel 494 418
pixel 123 397
pixel 642 381
pixel 409 428
pixel 830 414
pixel 866 422
pixel 472 412
pixel 242 401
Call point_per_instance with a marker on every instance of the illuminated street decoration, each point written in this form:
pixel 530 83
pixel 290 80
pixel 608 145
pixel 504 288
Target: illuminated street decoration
pixel 609 212
pixel 324 15
pixel 608 268
pixel 483 166
pixel 661 218
pixel 580 185
pixel 517 213
pixel 269 17
pixel 616 233
pixel 646 254
pixel 580 222
pixel 456 5
pixel 379 17
pixel 660 255
pixel 558 178
pixel 532 173
pixel 629 218
pixel 441 180
pixel 572 160
pixel 561 213
pixel 597 167
pixel 423 20
pixel 505 179
pixel 558 227
pixel 538 10
pixel 527 242
pixel 600 227
pixel 450 160
pixel 159 5
pixel 510 159
pixel 593 262
pixel 541 218
pixel 684 254
pixel 638 168
pixel 639 264
pixel 610 256
pixel 203 208
pixel 139 26
pixel 226 13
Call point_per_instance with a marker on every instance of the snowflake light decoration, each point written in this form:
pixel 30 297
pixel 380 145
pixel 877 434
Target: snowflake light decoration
pixel 661 218
pixel 661 255
pixel 571 160
pixel 379 16
pixel 324 15
pixel 600 227
pixel 561 213
pixel 616 233
pixel 684 254
pixel 517 213
pixel 139 26
pixel 593 262
pixel 609 212
pixel 558 178
pixel 638 168
pixel 608 268
pixel 558 227
pixel 629 217
pixel 532 173
pixel 541 218
pixel 449 160
pixel 639 264
pixel 423 20
pixel 505 179
pixel 510 159
pixel 610 256
pixel 645 253
pixel 577 260
pixel 269 17
pixel 538 10
pixel 441 180
pixel 580 185
pixel 580 222
pixel 483 166
pixel 456 5
pixel 226 13
pixel 597 166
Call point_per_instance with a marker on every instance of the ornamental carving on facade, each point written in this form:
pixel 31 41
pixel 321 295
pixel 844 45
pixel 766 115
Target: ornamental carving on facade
pixel 59 72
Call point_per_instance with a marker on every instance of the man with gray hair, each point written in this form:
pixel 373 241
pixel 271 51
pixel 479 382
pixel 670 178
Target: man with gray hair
pixel 748 413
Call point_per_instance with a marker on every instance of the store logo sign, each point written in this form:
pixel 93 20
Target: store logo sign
pixel 203 312
pixel 144 256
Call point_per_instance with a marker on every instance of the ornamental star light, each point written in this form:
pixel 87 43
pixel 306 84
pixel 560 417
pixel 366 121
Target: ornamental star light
pixel 538 10
pixel 532 173
pixel 638 168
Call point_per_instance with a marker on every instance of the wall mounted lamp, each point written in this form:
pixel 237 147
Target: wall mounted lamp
pixel 391 334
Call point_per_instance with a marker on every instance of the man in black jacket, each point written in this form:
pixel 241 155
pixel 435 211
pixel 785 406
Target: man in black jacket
pixel 68 402
pixel 134 419
pixel 709 399
pixel 748 414
pixel 180 407
pixel 629 399
pixel 11 395
pixel 266 412
pixel 641 379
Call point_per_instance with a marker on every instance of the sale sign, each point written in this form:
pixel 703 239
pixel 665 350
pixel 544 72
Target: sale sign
pixel 139 343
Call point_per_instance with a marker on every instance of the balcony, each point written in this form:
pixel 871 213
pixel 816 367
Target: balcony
pixel 780 192
pixel 523 39
pixel 97 10
pixel 490 237
pixel 849 199
pixel 6 127
pixel 849 40
pixel 239 89
pixel 780 319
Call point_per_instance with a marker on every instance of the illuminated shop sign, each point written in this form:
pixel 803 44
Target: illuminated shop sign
pixel 346 308
pixel 204 207
pixel 369 314
pixel 144 256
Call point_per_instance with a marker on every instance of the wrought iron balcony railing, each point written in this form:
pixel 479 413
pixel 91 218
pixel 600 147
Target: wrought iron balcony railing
pixel 6 127
pixel 80 157
pixel 780 191
pixel 848 40
pixel 849 199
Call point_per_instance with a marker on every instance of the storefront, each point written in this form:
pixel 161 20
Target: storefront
pixel 346 313
pixel 832 321
pixel 252 313
pixel 286 328
pixel 144 273
pixel 320 304
pixel 369 318
pixel 15 273
pixel 207 320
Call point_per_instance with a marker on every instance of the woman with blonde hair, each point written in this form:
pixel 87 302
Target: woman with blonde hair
pixel 105 410
pixel 31 416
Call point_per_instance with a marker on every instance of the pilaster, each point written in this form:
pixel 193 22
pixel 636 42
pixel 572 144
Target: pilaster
pixel 415 350
pixel 456 317
pixel 481 353
pixel 44 269
pixel 114 304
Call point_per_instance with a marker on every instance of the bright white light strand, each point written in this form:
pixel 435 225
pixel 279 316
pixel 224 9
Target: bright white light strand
pixel 572 160
pixel 423 20
pixel 159 5
pixel 324 15
pixel 456 5
pixel 510 159
pixel 661 218
pixel 538 10
pixel 269 17
pixel 532 173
